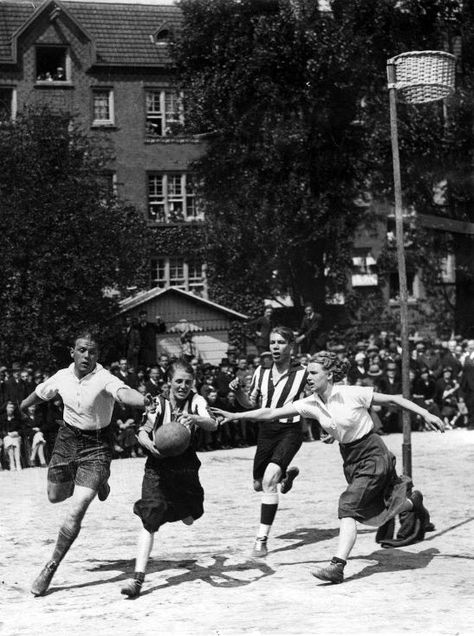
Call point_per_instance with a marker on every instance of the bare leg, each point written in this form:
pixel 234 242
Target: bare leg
pixel 347 537
pixel 133 587
pixel 144 547
pixel 41 455
pixel 16 452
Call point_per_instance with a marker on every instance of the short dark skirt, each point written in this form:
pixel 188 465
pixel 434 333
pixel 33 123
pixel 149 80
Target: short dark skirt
pixel 375 492
pixel 169 494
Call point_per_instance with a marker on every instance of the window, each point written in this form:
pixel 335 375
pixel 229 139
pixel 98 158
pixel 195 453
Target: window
pixel 176 272
pixel 52 64
pixel 171 198
pixel 102 107
pixel 108 183
pixel 412 286
pixel 7 103
pixel 164 113
pixel 363 269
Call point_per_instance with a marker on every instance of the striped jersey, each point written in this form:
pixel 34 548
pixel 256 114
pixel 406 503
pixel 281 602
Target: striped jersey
pixel 194 404
pixel 289 387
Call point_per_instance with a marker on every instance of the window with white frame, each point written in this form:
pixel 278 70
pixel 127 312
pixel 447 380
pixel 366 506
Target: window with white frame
pixel 164 112
pixel 52 64
pixel 103 107
pixel 188 275
pixel 7 103
pixel 171 198
pixel 364 269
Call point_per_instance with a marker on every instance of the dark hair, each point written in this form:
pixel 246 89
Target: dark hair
pixel 182 364
pixel 285 332
pixel 330 362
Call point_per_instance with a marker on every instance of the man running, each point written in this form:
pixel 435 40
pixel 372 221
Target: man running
pixel 80 462
pixel 279 440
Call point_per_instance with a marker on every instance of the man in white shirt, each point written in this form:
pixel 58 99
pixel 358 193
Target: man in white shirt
pixel 80 462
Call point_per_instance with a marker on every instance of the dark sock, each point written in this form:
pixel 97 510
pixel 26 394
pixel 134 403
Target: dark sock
pixel 66 537
pixel 337 560
pixel 267 513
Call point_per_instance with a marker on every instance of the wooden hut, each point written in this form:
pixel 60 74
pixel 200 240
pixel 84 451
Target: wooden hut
pixel 206 322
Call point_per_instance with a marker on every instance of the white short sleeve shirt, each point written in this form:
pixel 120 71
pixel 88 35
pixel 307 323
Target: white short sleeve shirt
pixel 345 415
pixel 88 401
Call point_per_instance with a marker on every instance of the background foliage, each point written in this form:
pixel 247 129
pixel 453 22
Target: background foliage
pixel 295 103
pixel 65 238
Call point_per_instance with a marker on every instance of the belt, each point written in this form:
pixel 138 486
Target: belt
pixel 81 431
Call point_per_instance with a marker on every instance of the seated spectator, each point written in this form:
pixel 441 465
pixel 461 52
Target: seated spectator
pixel 124 422
pixel 244 431
pixel 358 370
pixel 11 425
pixel 390 384
pixel 424 392
pixel 446 397
pixel 33 422
pixel 223 378
pixel 54 419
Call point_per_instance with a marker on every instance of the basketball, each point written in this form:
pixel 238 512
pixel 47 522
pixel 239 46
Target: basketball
pixel 172 439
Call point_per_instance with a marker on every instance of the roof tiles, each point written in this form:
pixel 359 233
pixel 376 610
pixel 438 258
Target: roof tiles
pixel 122 33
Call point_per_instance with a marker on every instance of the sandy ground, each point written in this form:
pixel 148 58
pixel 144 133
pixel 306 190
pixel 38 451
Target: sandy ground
pixel 201 579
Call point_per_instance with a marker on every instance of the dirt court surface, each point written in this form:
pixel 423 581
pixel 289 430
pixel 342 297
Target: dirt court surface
pixel 201 579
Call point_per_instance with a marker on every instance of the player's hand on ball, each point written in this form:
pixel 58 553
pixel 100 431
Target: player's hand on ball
pixel 187 421
pixel 146 442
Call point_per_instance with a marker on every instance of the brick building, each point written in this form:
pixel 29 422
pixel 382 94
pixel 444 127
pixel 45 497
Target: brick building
pixel 109 64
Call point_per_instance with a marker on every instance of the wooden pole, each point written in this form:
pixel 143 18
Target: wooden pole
pixel 402 275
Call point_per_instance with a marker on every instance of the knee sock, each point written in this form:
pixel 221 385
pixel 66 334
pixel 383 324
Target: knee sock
pixel 66 537
pixel 268 511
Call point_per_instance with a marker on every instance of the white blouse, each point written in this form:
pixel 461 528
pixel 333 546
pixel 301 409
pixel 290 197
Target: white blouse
pixel 345 415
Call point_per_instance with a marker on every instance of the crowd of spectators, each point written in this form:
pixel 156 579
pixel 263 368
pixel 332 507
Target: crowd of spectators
pixel 441 375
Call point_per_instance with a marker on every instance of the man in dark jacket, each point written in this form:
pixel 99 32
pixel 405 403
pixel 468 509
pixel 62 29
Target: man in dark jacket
pixel 311 338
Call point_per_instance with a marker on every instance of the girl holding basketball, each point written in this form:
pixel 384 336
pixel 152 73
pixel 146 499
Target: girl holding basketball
pixel 171 490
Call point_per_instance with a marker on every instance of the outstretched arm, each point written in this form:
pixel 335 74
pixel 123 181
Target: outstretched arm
pixel 261 415
pixel 30 400
pixel 433 421
pixel 127 395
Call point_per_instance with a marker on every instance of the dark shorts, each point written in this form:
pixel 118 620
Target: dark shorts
pixel 375 492
pixel 82 457
pixel 277 443
pixel 169 494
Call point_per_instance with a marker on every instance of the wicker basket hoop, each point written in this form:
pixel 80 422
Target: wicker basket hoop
pixel 423 76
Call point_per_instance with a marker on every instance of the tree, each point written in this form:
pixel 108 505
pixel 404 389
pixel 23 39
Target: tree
pixel 66 240
pixel 296 104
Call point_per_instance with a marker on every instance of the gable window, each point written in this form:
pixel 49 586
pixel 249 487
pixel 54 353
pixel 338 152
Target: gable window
pixel 103 107
pixel 52 64
pixel 171 198
pixel 188 275
pixel 164 113
pixel 7 103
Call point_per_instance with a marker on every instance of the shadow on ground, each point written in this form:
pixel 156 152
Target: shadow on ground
pixel 217 574
pixel 309 536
